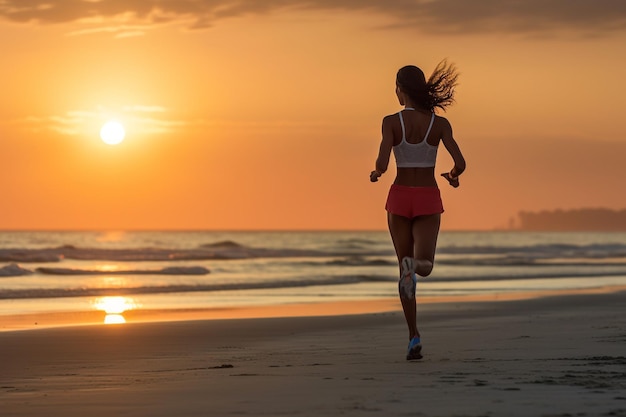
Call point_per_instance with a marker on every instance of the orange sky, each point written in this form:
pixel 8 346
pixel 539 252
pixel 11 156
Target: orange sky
pixel 256 115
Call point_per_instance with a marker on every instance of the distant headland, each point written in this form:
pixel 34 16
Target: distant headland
pixel 584 219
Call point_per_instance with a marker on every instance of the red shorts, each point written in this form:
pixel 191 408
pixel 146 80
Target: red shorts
pixel 413 201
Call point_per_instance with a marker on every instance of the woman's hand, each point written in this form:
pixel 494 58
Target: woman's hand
pixel 454 181
pixel 374 175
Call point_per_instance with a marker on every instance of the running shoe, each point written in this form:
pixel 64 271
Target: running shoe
pixel 415 349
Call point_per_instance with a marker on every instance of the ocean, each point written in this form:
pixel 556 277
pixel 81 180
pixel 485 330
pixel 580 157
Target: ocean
pixel 48 272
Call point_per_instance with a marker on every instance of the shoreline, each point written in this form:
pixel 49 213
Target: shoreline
pixel 45 320
pixel 557 355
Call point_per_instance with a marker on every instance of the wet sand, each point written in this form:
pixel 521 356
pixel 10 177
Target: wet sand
pixel 550 356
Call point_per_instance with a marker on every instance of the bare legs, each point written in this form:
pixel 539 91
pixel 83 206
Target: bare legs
pixel 416 238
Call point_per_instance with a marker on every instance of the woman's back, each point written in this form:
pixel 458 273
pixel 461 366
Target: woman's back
pixel 416 135
pixel 417 123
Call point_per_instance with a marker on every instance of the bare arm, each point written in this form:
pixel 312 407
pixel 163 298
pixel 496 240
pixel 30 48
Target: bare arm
pixel 455 152
pixel 384 152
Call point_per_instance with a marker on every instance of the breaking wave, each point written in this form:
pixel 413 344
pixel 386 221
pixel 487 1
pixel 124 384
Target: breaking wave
pixel 13 270
pixel 216 251
pixel 172 270
pixel 88 292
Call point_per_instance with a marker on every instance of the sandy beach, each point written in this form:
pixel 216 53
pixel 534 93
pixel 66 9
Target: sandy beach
pixel 551 356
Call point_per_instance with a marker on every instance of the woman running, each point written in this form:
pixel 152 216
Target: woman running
pixel 414 204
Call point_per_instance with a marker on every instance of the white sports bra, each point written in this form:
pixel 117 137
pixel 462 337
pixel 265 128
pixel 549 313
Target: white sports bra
pixel 415 155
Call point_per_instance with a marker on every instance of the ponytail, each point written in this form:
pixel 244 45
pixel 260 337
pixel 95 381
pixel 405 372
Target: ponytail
pixel 437 92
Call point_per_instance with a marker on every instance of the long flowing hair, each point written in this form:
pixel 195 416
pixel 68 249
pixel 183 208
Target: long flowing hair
pixel 437 92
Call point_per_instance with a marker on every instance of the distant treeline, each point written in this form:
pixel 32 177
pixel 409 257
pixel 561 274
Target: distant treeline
pixel 587 219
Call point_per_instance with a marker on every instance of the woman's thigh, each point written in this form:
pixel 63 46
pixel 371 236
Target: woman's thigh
pixel 425 231
pixel 400 228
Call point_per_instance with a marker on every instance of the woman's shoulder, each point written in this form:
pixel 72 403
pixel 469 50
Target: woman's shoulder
pixel 392 116
pixel 441 119
pixel 391 120
pixel 443 126
pixel 442 122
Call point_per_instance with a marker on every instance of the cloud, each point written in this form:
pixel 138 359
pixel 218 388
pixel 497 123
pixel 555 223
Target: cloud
pixel 153 120
pixel 121 31
pixel 64 124
pixel 140 118
pixel 594 18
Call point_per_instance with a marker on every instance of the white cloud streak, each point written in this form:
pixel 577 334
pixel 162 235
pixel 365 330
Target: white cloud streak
pixel 140 118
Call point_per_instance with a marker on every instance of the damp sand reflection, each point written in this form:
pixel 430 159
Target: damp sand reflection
pixel 114 308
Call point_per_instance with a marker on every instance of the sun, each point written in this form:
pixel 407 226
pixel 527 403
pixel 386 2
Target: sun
pixel 112 132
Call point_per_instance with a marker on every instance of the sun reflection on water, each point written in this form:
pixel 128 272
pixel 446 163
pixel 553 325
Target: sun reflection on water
pixel 111 281
pixel 111 236
pixel 108 268
pixel 114 306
